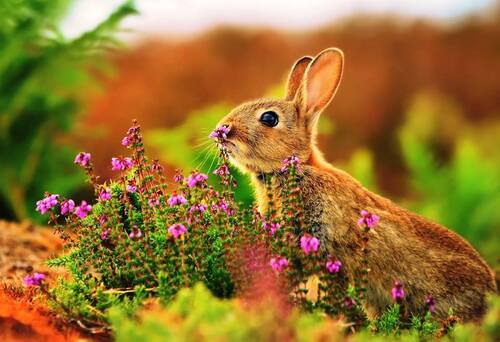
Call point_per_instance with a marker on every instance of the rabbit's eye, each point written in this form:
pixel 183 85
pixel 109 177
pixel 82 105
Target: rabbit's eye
pixel 269 118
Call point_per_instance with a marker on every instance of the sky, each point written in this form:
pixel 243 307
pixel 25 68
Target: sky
pixel 187 17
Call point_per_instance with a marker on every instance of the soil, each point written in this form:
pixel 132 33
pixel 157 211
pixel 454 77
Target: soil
pixel 24 313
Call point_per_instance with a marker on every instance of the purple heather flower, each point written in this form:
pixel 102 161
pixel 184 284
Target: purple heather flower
pixel 105 194
pixel 131 188
pixel 154 201
pixel 177 230
pixel 397 291
pixel 67 206
pixel 178 177
pixel 367 219
pixel 105 234
pixel 195 178
pixel 278 263
pixel 272 227
pixel 429 303
pixel 135 233
pixel 349 303
pixel 222 171
pixel 82 158
pixel 220 133
pixel 309 244
pixel 120 163
pixel 126 141
pixel 47 203
pixel 290 161
pixel 223 206
pixel 83 209
pixel 34 280
pixel 176 200
pixel 333 266
pixel 103 219
pixel 197 207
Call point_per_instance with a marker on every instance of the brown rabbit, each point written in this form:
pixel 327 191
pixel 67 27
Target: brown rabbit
pixel 426 257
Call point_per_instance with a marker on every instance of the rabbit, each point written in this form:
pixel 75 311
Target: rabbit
pixel 427 258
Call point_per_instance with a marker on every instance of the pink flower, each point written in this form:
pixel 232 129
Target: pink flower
pixel 178 177
pixel 121 163
pixel 367 219
pixel 197 207
pixel 83 209
pixel 333 266
pixel 47 203
pixel 82 158
pixel 135 233
pixel 125 141
pixel 397 291
pixel 220 133
pixel 429 303
pixel 222 171
pixel 222 205
pixel 177 230
pixel 67 206
pixel 105 234
pixel 272 227
pixel 196 178
pixel 34 280
pixel 103 219
pixel 131 188
pixel 154 201
pixel 105 194
pixel 278 263
pixel 176 200
pixel 349 303
pixel 309 244
pixel 289 162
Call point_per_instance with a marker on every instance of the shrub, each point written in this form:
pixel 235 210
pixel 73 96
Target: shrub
pixel 140 242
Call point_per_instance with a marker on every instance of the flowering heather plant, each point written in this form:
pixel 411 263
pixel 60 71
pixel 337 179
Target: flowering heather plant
pixel 141 239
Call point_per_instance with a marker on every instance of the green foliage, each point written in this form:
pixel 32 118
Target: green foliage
pixel 389 322
pixel 463 194
pixel 42 75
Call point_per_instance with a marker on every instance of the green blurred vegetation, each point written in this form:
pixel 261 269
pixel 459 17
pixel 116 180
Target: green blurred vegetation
pixel 195 314
pixel 42 77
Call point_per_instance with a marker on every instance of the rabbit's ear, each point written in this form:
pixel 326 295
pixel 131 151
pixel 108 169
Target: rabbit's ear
pixel 320 83
pixel 295 77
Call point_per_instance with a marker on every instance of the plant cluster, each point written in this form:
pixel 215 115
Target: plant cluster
pixel 141 240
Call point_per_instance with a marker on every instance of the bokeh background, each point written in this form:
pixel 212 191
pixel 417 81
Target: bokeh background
pixel 417 116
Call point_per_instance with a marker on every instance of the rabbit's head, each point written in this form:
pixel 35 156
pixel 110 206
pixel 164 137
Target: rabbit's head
pixel 262 133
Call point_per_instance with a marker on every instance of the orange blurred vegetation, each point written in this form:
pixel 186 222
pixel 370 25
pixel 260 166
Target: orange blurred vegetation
pixel 160 82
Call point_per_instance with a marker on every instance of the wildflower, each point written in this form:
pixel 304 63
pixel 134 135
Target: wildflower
pixel 34 280
pixel 176 200
pixel 222 205
pixel 83 209
pixel 278 263
pixel 135 233
pixel 272 227
pixel 121 163
pixel 177 230
pixel 349 303
pixel 126 141
pixel 131 188
pixel 289 162
pixel 367 219
pixel 105 194
pixel 309 244
pixel 67 206
pixel 47 203
pixel 82 158
pixel 333 266
pixel 154 201
pixel 195 178
pixel 178 177
pixel 222 171
pixel 156 167
pixel 105 234
pixel 397 291
pixel 429 303
pixel 220 133
pixel 197 207
pixel 103 219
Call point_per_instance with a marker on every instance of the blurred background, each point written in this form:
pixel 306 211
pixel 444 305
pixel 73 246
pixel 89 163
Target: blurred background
pixel 417 116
